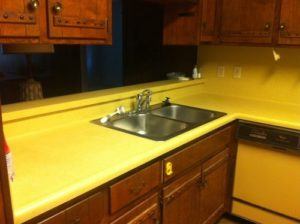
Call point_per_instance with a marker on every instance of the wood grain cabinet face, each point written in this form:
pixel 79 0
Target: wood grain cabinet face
pixel 147 212
pixel 244 21
pixel 215 188
pixel 134 186
pixel 289 27
pixel 19 18
pixel 181 24
pixel 195 153
pixel 182 198
pixel 201 195
pixel 79 19
pixel 209 20
pixel 57 219
pixel 93 210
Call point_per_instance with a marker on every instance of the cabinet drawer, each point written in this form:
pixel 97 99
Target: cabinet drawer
pixel 147 211
pixel 58 218
pixel 78 213
pixel 196 152
pixel 134 186
pixel 92 210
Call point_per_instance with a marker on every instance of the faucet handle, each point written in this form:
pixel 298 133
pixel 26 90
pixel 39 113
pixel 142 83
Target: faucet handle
pixel 147 92
pixel 167 102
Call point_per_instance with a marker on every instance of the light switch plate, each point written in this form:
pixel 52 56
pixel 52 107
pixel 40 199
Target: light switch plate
pixel 220 71
pixel 237 72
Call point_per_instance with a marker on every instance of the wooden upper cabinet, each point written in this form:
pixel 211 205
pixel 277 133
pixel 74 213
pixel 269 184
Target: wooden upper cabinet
pixel 181 24
pixel 56 21
pixel 245 21
pixel 289 27
pixel 19 19
pixel 209 20
pixel 75 19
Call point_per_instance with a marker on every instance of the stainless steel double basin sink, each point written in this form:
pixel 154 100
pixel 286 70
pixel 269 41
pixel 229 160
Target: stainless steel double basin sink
pixel 162 122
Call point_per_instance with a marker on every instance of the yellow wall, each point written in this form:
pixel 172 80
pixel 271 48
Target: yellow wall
pixel 262 77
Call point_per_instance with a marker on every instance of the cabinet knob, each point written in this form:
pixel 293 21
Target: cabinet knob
pixel 282 27
pixel 169 169
pixel 267 26
pixel 34 4
pixel 57 8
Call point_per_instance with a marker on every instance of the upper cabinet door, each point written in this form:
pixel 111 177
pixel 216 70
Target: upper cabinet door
pixel 247 21
pixel 181 24
pixel 289 28
pixel 19 18
pixel 76 19
pixel 209 20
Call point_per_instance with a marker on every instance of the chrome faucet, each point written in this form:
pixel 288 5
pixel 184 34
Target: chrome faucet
pixel 143 101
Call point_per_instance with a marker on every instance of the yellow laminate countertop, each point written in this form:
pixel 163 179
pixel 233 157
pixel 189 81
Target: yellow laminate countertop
pixel 56 165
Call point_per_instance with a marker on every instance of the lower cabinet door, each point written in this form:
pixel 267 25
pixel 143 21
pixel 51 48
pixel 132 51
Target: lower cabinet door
pixel 181 199
pixel 214 188
pixel 147 212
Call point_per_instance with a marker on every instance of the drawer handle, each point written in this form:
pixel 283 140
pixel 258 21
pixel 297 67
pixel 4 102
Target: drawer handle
pixel 169 169
pixel 137 190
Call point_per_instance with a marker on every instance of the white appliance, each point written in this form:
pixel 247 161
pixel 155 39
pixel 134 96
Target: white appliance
pixel 267 178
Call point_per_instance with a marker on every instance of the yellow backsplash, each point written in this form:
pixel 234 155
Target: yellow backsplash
pixel 262 77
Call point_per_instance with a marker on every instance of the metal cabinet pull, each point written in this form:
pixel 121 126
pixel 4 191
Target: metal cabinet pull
pixel 57 8
pixel 282 27
pixel 34 4
pixel 267 26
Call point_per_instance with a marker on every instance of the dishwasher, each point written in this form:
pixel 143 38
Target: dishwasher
pixel 267 176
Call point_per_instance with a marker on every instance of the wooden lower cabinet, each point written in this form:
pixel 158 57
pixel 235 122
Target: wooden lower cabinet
pixel 93 210
pixel 200 195
pixel 182 198
pixel 135 186
pixel 214 188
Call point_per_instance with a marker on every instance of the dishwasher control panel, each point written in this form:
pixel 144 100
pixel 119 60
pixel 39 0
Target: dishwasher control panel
pixel 277 137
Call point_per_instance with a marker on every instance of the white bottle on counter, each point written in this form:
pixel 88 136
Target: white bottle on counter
pixel 195 72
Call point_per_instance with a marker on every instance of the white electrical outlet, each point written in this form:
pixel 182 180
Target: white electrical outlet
pixel 237 72
pixel 220 71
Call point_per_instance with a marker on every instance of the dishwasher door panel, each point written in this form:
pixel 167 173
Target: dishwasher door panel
pixel 268 178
